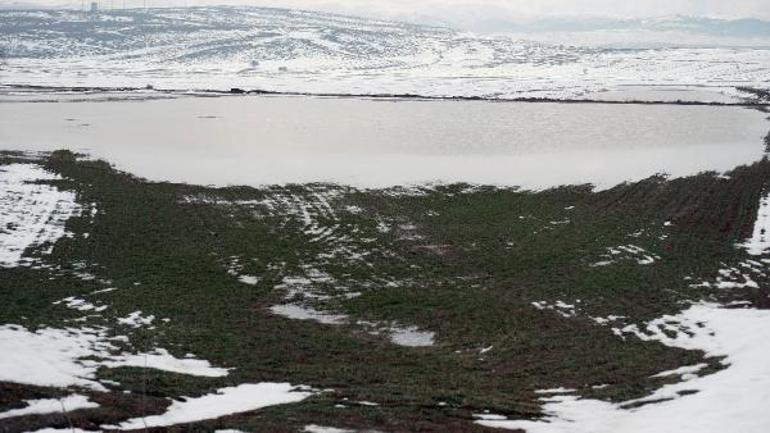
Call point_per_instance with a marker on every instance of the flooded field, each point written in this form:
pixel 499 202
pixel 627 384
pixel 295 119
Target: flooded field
pixel 381 143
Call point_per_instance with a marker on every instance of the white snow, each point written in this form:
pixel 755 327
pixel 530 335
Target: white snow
pixel 626 252
pixel 316 52
pixel 51 405
pixel 734 278
pixel 489 417
pixel 70 357
pixel 31 215
pixel 313 428
pixel 50 357
pixel 733 399
pixel 682 371
pixel 136 320
pixel 248 279
pixel 411 336
pixel 226 401
pixel 560 307
pixel 79 304
pixel 560 390
pixel 161 359
pixel 759 242
pixel 301 312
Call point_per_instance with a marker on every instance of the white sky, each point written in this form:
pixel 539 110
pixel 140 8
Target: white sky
pixel 474 13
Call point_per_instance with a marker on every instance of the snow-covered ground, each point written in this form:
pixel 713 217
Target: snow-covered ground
pixel 280 50
pixel 31 214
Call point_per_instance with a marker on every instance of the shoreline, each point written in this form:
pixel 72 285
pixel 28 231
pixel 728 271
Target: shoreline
pixel 762 104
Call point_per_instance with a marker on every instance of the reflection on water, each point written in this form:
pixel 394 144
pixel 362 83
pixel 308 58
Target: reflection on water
pixel 267 140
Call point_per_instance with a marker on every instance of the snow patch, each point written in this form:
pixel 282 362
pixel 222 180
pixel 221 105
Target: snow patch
pixel 161 359
pixel 31 214
pixel 51 405
pixel 136 320
pixel 51 357
pixel 560 307
pixel 225 401
pixel 75 303
pixel 626 252
pixel 71 356
pixel 301 312
pixel 411 336
pixel 248 279
pixel 759 242
pixel 312 428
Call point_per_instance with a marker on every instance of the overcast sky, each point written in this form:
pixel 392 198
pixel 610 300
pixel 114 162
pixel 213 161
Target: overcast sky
pixel 469 13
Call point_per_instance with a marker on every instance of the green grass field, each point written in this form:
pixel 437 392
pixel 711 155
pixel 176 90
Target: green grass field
pixel 463 263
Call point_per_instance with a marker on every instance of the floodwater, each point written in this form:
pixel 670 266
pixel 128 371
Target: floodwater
pixel 256 140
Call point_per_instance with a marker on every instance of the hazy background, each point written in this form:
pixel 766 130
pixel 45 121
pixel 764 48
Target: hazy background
pixel 478 15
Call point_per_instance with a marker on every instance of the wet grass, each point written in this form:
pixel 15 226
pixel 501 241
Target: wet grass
pixel 465 263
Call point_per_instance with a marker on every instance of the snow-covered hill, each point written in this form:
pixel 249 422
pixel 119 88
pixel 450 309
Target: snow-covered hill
pixel 285 50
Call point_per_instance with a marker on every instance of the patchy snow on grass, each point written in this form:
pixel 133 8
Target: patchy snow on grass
pixel 31 214
pixel 302 312
pixel 249 279
pixel 79 304
pixel 411 336
pixel 51 405
pixel 686 372
pixel 136 320
pixel 626 252
pixel 560 307
pixel 560 390
pixel 408 336
pixel 734 278
pixel 226 401
pixel 313 428
pixel 51 357
pixel 733 399
pixel 161 359
pixel 71 357
pixel 308 285
pixel 759 242
pixel 489 417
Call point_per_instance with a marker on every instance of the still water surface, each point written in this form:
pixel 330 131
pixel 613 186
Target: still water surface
pixel 379 143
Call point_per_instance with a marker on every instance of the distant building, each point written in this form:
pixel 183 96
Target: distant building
pixel 94 7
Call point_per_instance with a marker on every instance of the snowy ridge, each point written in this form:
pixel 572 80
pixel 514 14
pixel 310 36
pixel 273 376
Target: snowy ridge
pixel 301 51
